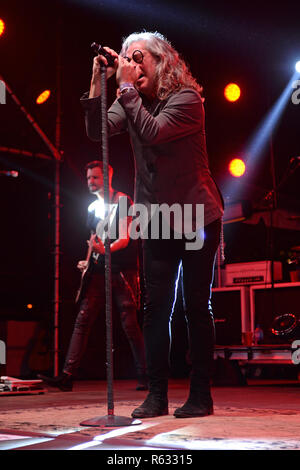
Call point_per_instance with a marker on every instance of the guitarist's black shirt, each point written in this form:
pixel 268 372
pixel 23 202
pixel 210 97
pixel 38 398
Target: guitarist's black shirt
pixel 121 260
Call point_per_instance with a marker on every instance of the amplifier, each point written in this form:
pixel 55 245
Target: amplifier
pixel 231 313
pixel 26 349
pixel 257 272
pixel 268 305
pixel 16 335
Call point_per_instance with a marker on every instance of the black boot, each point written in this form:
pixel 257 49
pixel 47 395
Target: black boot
pixel 154 405
pixel 64 381
pixel 197 405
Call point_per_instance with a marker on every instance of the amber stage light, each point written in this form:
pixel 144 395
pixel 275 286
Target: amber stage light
pixel 43 97
pixel 232 92
pixel 2 27
pixel 237 167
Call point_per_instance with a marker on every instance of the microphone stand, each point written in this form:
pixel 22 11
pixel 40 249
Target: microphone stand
pixel 110 420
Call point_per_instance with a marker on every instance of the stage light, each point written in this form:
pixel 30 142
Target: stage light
pixel 2 27
pixel 297 66
pixel 257 143
pixel 267 127
pixel 237 167
pixel 232 92
pixel 43 97
pixel 29 306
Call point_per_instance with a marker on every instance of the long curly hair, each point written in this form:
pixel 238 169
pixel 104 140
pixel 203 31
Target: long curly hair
pixel 172 73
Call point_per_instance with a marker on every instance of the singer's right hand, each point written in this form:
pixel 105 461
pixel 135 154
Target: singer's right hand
pixel 100 58
pixel 82 265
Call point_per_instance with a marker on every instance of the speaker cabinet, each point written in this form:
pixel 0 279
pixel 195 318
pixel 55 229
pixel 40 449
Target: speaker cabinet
pixel 268 303
pixel 231 313
pixel 21 345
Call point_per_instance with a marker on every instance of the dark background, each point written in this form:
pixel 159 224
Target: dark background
pixel 254 44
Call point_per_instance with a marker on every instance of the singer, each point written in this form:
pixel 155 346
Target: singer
pixel 160 105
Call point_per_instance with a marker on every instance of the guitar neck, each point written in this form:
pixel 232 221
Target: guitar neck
pixel 90 250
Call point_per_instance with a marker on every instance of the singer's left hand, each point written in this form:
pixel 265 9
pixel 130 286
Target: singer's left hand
pixel 126 72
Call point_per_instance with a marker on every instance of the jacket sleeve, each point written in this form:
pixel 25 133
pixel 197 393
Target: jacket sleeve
pixel 182 115
pixel 117 120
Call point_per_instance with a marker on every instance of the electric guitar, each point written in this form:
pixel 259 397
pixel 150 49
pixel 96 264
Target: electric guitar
pixel 84 271
pixel 100 235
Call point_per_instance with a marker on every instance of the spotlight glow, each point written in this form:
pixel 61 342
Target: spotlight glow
pixel 237 167
pixel 257 143
pixel 297 66
pixel 43 97
pixel 268 126
pixel 232 92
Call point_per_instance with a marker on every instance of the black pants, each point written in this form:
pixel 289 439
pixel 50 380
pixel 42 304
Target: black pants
pixel 161 263
pixel 93 303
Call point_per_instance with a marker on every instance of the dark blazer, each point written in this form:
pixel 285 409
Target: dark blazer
pixel 169 146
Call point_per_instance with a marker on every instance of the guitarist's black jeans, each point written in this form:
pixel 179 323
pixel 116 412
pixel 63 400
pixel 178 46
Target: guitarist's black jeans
pixel 93 304
pixel 162 260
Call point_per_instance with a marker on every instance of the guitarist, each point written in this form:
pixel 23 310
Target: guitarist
pixel 91 298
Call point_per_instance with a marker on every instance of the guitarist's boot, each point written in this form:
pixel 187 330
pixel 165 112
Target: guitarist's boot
pixel 64 381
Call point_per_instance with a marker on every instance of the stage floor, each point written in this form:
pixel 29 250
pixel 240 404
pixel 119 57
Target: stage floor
pixel 257 416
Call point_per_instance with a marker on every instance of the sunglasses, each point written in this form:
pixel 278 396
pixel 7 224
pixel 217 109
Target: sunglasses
pixel 137 57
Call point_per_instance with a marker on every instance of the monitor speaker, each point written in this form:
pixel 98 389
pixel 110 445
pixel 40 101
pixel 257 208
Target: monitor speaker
pixel 275 312
pixel 231 313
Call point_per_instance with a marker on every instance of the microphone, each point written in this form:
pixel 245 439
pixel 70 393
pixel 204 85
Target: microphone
pixel 12 173
pixel 100 50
